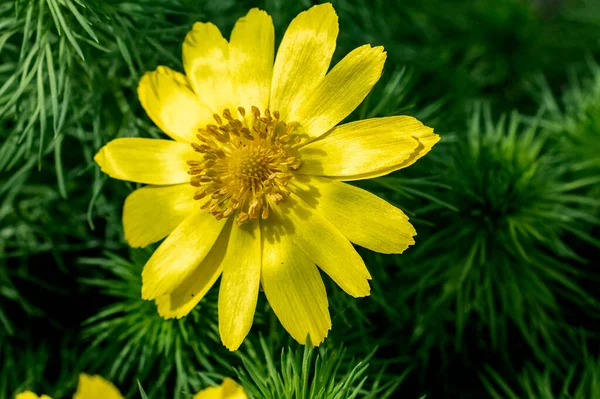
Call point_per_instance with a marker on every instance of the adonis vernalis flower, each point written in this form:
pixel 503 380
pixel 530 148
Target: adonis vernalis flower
pixel 30 395
pixel 251 187
pixel 229 389
pixel 96 387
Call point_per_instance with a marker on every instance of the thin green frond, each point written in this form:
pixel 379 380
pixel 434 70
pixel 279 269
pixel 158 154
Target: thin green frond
pixel 148 347
pixel 311 374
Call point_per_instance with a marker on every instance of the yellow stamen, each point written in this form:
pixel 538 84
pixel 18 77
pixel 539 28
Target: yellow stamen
pixel 247 164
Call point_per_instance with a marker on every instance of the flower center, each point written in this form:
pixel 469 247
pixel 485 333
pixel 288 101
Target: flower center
pixel 247 164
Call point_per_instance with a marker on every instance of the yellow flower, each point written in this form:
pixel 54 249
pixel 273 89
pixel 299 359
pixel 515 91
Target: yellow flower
pixel 229 389
pixel 96 387
pixel 89 387
pixel 31 395
pixel 251 187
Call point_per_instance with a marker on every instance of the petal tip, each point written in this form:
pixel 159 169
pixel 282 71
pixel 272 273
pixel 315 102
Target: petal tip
pixel 231 340
pixel 200 29
pixel 317 340
pixel 231 346
pixel 100 157
pixel 149 290
pixel 169 310
pixel 409 243
pixel 258 12
pixel 363 291
pixel 413 231
pixel 198 25
pixel 325 6
pixel 145 294
pixel 376 51
pixel 161 69
pixel 132 242
pixel 162 308
pixel 320 9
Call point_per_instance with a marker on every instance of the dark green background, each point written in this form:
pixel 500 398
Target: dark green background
pixel 499 297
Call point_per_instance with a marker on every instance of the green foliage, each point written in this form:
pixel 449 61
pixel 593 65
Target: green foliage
pixel 574 120
pixel 497 253
pixel 142 392
pixel 495 266
pixel 9 292
pixel 506 209
pixel 580 381
pixel 466 51
pixel 26 366
pixel 300 374
pixel 128 339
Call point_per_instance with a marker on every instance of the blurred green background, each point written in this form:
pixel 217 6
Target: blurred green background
pixel 498 298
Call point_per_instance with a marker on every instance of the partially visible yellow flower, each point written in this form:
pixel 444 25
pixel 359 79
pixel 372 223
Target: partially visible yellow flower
pixel 96 387
pixel 31 395
pixel 251 189
pixel 89 387
pixel 229 389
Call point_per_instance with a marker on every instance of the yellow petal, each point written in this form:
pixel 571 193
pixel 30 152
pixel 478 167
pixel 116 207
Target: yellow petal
pixel 179 255
pixel 325 245
pixel 206 64
pixel 427 140
pixel 149 161
pixel 30 395
pixel 251 51
pixel 239 284
pixel 95 387
pixel 364 218
pixel 170 102
pixel 229 389
pixel 367 148
pixel 294 288
pixel 342 90
pixel 150 213
pixel 186 296
pixel 303 58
